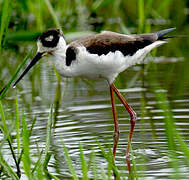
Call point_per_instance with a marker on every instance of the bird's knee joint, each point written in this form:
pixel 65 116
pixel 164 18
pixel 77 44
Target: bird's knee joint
pixel 133 117
pixel 116 135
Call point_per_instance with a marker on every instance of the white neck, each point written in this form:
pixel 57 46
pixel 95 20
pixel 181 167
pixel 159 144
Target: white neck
pixel 59 59
pixel 61 47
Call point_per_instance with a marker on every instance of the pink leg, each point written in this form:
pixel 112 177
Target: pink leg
pixel 132 121
pixel 116 124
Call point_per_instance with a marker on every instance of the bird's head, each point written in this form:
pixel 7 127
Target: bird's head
pixel 47 43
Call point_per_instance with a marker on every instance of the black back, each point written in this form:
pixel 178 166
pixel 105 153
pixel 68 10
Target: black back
pixel 106 42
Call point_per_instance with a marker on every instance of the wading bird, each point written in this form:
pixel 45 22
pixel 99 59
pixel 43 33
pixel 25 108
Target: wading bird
pixel 102 55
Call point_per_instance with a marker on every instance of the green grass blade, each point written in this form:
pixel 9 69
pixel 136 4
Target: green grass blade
pixel 50 176
pixel 46 160
pixel 53 14
pixel 69 162
pixel 100 3
pixel 47 173
pixel 109 159
pixel 9 10
pixel 17 125
pixel 8 168
pixel 103 174
pixel 26 156
pixel 4 90
pixel 48 136
pixel 141 15
pixel 6 136
pixel 109 168
pixel 183 147
pixel 38 163
pixel 92 162
pixel 133 169
pixel 5 17
pixel 31 128
pixel 38 169
pixel 95 170
pixel 83 164
pixel 4 127
pixel 6 132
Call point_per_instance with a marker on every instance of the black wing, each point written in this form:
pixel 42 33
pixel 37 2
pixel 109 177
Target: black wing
pixel 107 41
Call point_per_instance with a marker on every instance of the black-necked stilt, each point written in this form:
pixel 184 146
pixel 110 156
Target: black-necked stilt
pixel 103 55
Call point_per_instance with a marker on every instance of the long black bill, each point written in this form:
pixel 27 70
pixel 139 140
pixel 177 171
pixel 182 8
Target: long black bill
pixel 37 57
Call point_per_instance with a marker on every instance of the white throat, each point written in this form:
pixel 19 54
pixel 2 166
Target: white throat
pixel 61 47
pixel 59 58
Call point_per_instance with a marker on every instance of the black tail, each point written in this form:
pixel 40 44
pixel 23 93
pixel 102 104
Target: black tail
pixel 161 33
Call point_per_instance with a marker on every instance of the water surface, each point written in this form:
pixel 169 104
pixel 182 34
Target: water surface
pixel 83 115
